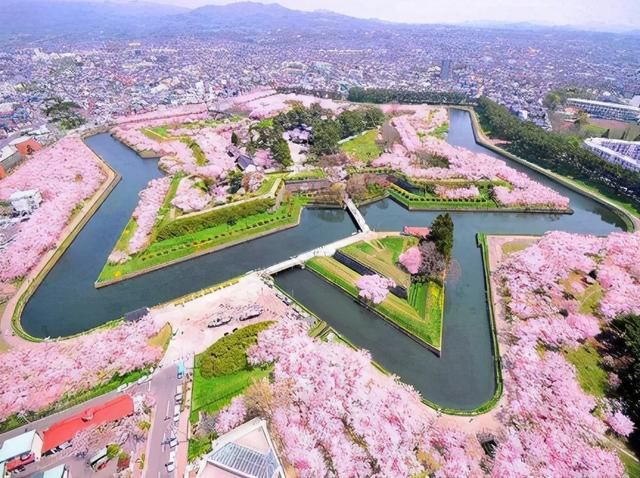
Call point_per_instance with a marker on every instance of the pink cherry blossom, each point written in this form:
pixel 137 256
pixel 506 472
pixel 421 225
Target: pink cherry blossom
pixel 332 410
pixel 463 164
pixel 190 198
pixel 374 287
pixel 66 174
pixel 145 213
pixel 458 193
pixel 29 382
pixel 620 423
pixel 231 416
pixel 411 259
pixel 167 115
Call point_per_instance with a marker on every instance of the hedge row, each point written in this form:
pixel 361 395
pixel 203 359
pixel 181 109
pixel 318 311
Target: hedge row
pixel 212 239
pixel 229 354
pixel 414 197
pixel 214 217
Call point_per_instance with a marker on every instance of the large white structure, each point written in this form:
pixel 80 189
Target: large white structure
pixel 25 202
pixel 246 451
pixel 604 110
pixel 623 153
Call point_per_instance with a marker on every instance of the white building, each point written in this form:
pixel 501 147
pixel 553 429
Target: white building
pixel 246 451
pixel 604 110
pixel 623 153
pixel 25 202
pixel 9 157
pixel 21 450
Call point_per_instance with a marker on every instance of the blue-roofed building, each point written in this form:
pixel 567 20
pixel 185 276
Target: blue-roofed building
pixel 21 450
pixel 60 471
pixel 247 451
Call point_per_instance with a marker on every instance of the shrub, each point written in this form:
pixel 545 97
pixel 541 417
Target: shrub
pixel 214 217
pixel 229 354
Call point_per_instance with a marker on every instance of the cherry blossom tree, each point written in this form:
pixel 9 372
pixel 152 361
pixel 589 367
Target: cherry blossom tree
pixel 66 174
pixel 374 287
pixel 411 259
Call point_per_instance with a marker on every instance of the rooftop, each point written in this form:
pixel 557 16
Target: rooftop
pixel 65 430
pixel 246 451
pixel 16 446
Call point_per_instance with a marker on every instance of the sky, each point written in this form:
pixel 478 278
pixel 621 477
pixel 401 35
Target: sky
pixel 624 13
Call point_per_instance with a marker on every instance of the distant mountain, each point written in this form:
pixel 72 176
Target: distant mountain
pixel 54 17
pixel 261 16
pixel 37 19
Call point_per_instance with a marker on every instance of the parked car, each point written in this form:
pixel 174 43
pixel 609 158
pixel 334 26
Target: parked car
pixel 171 465
pixel 173 442
pixel 178 396
pixel 176 413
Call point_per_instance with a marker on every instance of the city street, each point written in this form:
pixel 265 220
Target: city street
pixel 163 387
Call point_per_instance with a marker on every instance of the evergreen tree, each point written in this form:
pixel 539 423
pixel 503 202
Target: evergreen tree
pixel 442 234
pixel 234 139
pixel 281 153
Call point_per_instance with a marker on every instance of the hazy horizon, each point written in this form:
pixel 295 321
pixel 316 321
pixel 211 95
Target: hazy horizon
pixel 615 13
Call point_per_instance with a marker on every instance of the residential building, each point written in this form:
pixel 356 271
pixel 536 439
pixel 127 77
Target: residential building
pixel 26 145
pixel 247 451
pixel 605 110
pixel 25 202
pixel 9 157
pixel 623 153
pixel 21 450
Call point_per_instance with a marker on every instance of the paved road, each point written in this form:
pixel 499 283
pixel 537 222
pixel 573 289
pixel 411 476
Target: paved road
pixel 163 387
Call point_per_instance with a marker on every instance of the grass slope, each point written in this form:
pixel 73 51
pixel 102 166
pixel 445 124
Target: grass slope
pixel 246 228
pixel 394 309
pixel 364 147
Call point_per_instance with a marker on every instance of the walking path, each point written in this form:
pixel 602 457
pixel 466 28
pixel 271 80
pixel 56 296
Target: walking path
pixel 48 260
pixel 323 251
pixel 357 216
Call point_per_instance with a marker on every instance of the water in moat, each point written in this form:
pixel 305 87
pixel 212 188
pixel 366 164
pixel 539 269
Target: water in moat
pixel 67 302
pixel 464 376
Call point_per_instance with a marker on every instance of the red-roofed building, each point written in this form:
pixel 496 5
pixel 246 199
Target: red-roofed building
pixel 28 147
pixel 66 429
pixel 417 231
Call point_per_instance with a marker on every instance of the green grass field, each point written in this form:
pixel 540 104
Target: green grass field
pixel 394 309
pixel 382 256
pixel 441 131
pixel 364 147
pixel 245 228
pixel 591 376
pixel 210 394
pixel 631 466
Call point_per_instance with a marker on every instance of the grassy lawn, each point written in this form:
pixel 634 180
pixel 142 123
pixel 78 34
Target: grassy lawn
pixel 212 391
pixel 310 174
pixel 516 245
pixel 364 147
pixel 592 378
pixel 396 310
pixel 382 256
pixel 609 194
pixel 631 466
pixel 441 131
pixel 176 248
pixel 162 338
pixel 590 299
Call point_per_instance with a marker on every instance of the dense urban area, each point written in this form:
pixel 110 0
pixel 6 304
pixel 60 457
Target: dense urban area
pixel 249 241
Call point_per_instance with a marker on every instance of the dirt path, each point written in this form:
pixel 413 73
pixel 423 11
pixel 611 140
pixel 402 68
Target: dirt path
pixel 8 337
